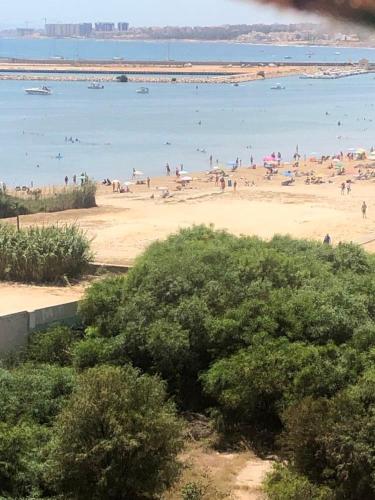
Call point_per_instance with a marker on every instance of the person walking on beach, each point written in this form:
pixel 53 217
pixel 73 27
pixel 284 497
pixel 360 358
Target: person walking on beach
pixel 364 210
pixel 343 188
pixel 235 186
pixel 222 184
pixel 168 168
pixel 348 187
pixel 74 179
pixel 148 182
pixel 210 160
pixel 251 160
pixel 66 180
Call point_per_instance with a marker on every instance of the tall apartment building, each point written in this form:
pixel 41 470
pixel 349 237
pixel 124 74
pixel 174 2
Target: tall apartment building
pixel 122 27
pixel 106 27
pixel 67 30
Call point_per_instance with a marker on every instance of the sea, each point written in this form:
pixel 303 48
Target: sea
pixel 108 133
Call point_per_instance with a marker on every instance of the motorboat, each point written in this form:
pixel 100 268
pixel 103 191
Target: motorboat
pixel 143 90
pixel 96 86
pixel 278 86
pixel 39 91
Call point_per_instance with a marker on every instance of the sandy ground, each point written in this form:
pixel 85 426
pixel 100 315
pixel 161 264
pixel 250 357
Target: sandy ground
pixel 15 297
pixel 124 225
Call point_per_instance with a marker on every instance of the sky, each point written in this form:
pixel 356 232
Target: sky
pixel 141 12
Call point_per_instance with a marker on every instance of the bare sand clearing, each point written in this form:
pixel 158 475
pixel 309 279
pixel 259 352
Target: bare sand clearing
pixel 124 225
pixel 15 297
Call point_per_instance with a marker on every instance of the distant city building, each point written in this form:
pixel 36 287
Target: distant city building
pixel 122 26
pixel 25 31
pixel 67 30
pixel 105 27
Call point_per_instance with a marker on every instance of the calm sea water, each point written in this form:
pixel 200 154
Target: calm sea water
pixel 182 51
pixel 120 130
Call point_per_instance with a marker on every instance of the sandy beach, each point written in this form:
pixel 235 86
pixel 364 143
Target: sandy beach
pixel 124 224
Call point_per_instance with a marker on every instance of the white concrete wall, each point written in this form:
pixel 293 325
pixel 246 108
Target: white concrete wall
pixel 15 328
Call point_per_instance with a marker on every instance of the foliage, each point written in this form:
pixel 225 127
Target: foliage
pixel 53 345
pixel 45 254
pixel 285 484
pixel 70 198
pixel 117 437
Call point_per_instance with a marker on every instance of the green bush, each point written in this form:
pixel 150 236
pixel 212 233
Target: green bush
pixel 45 254
pixel 284 484
pixel 51 346
pixel 117 437
pixel 66 199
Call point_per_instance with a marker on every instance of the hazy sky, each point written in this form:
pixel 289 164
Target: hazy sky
pixel 140 12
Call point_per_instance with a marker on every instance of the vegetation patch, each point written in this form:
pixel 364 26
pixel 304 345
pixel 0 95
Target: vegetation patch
pixel 69 198
pixel 43 255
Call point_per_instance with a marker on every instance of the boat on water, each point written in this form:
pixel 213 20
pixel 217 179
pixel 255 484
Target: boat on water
pixel 278 86
pixel 143 90
pixel 96 86
pixel 39 91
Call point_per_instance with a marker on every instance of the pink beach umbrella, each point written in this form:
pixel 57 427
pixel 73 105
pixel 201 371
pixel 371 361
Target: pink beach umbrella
pixel 268 158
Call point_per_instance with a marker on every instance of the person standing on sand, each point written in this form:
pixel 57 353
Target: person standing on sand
pixel 348 187
pixel 364 210
pixel 66 180
pixel 251 160
pixel 327 239
pixel 148 182
pixel 74 179
pixel 210 160
pixel 235 186
pixel 168 168
pixel 222 184
pixel 343 188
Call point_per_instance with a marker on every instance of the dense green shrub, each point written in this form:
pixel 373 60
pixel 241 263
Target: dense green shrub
pixel 202 296
pixel 53 345
pixel 117 438
pixel 45 254
pixel 285 484
pixel 68 198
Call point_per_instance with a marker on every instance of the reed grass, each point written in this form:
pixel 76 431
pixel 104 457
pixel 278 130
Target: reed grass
pixel 43 254
pixel 70 198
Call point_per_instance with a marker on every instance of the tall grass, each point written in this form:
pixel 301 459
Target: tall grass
pixel 69 198
pixel 43 255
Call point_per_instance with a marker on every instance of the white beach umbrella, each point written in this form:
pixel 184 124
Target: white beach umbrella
pixel 186 178
pixel 138 172
pixel 184 172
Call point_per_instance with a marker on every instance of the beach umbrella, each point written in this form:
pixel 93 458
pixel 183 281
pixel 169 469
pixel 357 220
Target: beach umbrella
pixel 287 173
pixel 183 172
pixel 268 158
pixel 138 172
pixel 186 178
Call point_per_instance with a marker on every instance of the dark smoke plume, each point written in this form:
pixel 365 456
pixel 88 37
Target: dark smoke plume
pixel 358 11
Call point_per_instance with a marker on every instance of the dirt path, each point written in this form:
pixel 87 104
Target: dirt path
pixel 249 480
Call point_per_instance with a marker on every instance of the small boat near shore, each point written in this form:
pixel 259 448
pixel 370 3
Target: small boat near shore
pixel 39 91
pixel 143 90
pixel 278 86
pixel 95 86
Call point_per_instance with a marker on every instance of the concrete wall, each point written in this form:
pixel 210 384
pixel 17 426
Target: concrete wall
pixel 15 328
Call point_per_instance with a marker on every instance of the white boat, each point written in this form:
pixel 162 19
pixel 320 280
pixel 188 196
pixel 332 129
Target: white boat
pixel 96 86
pixel 143 90
pixel 278 86
pixel 39 91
